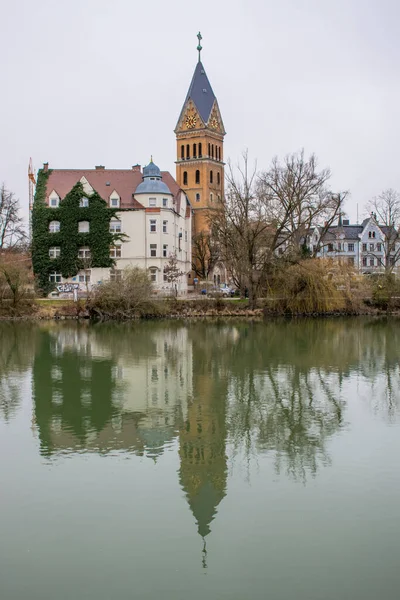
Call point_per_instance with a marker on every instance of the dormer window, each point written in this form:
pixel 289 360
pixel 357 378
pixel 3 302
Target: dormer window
pixel 152 202
pixel 54 201
pixel 114 202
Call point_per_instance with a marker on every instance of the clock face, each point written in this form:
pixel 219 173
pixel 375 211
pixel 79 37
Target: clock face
pixel 191 121
pixel 214 123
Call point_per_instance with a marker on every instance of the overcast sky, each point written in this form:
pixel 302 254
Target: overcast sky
pixel 87 82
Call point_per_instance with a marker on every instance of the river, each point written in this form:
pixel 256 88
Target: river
pixel 219 460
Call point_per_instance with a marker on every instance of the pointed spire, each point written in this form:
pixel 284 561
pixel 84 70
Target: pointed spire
pixel 199 46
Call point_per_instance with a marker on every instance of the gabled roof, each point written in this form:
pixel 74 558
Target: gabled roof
pixel 123 181
pixel 201 93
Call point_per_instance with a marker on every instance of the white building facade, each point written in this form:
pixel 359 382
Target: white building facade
pixel 154 222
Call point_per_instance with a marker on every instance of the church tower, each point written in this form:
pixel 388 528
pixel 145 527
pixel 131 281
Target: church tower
pixel 200 147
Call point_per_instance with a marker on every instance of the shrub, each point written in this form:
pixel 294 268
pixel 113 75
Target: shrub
pixel 125 299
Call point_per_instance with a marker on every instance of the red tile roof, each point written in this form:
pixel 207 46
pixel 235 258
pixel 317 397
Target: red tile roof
pixel 122 181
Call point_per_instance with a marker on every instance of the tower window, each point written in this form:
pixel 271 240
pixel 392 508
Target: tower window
pixel 194 150
pixel 219 152
pixel 197 176
pixel 200 151
pixel 218 178
pixel 209 149
pixel 211 197
pixel 211 176
pixel 187 151
pixel 185 179
pixel 183 152
pixel 197 197
pixel 212 150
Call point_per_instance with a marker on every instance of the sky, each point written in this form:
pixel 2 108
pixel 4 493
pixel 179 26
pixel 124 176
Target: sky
pixel 89 82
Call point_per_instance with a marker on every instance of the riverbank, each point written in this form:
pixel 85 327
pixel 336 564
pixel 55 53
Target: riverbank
pixel 43 309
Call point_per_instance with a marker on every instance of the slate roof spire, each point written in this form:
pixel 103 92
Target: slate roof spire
pixel 201 93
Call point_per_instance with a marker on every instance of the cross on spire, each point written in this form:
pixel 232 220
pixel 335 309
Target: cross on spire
pixel 199 47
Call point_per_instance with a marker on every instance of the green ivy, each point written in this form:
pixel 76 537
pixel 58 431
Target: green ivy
pixel 69 213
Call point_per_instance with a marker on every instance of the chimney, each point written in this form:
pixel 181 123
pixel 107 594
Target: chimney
pixel 137 168
pixel 99 167
pixel 45 167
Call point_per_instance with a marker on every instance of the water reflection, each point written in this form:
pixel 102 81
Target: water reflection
pixel 213 391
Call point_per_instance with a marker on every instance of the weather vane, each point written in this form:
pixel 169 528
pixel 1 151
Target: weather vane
pixel 199 47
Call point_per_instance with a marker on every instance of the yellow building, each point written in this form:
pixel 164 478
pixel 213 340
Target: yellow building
pixel 200 148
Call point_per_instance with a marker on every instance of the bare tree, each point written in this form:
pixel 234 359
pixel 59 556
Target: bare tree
pixel 385 208
pixel 206 252
pixel 296 198
pixel 172 273
pixel 12 232
pixel 243 229
pixel 15 277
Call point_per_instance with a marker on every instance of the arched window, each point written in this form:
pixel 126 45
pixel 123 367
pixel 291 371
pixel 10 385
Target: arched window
pixel 182 152
pixel 369 234
pixel 185 179
pixel 200 151
pixel 197 176
pixel 54 226
pixel 211 197
pixel 218 178
pixel 219 152
pixel 211 176
pixel 209 149
pixel 212 151
pixel 194 150
pixel 187 151
pixel 373 234
pixel 197 197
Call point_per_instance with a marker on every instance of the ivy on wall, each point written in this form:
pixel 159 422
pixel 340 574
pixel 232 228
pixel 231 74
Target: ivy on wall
pixel 69 239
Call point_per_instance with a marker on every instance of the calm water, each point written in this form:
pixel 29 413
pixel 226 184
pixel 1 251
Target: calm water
pixel 191 461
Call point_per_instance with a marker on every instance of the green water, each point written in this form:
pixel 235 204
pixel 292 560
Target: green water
pixel 200 460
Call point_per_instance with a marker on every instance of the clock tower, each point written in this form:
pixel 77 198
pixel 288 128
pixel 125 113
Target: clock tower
pixel 200 148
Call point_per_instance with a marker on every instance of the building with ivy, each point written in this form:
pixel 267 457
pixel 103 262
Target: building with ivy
pixel 89 225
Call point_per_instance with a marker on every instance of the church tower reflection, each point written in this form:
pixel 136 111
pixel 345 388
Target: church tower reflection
pixel 202 439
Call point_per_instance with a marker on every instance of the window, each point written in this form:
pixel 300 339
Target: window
pixel 54 226
pixel 165 226
pixel 55 277
pixel 197 176
pixel 212 150
pixel 371 247
pixel 182 152
pixel 197 197
pixel 211 176
pixel 218 198
pixel 211 197
pixel 115 275
pixel 369 234
pixel 165 250
pixel 115 226
pixel 372 262
pixel 219 153
pixel 165 276
pixel 364 247
pixel 187 152
pixel 218 178
pixel 153 226
pixel 83 226
pixel 54 252
pixel 194 150
pixel 115 251
pixel 153 275
pixel 165 202
pixel 185 179
pixel 153 250
pixel 84 252
pixel 330 247
pixel 350 260
pixel 114 202
pixel 54 201
pixel 186 237
pixel 350 247
pixel 339 246
pixel 84 277
pixel 153 202
pixel 84 202
pixel 209 150
pixel 373 234
pixel 200 151
pixel 364 262
pixel 379 247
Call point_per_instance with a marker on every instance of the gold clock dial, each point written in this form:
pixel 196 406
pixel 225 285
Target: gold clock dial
pixel 191 121
pixel 214 123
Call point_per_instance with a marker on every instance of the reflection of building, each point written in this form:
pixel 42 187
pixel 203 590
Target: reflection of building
pixel 202 450
pixel 88 397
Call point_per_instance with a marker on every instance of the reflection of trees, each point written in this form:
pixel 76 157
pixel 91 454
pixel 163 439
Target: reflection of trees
pixel 17 350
